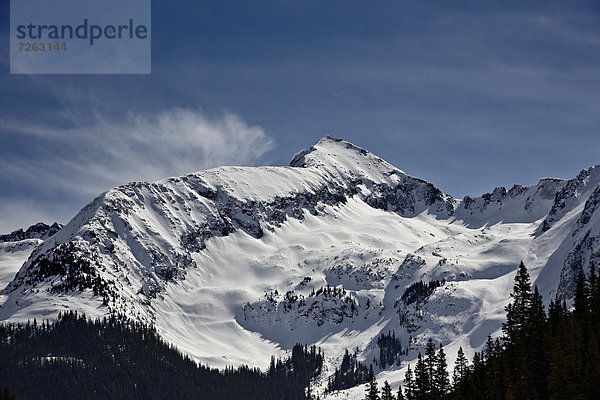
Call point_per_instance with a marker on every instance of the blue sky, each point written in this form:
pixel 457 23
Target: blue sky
pixel 467 95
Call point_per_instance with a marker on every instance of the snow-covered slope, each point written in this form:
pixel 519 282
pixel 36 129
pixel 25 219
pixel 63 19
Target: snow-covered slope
pixel 15 248
pixel 235 264
pixel 12 257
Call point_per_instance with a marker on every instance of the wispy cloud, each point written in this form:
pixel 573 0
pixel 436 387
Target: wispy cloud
pixel 73 165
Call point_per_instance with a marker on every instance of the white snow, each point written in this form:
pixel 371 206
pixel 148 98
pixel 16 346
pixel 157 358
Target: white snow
pixel 12 257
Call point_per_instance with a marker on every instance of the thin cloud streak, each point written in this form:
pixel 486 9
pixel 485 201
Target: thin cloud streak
pixel 86 160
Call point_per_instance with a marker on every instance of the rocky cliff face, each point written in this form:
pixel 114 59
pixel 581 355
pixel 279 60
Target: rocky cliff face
pixel 584 244
pixel 523 204
pixel 571 195
pixel 38 231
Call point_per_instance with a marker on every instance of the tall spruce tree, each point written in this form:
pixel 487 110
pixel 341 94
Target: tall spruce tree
pixel 372 391
pixel 478 375
pixel 461 367
pixel 386 392
pixel 537 344
pixel 422 381
pixel 430 369
pixel 410 384
pixel 400 395
pixel 516 329
pixel 561 384
pixel 441 380
pixel 518 310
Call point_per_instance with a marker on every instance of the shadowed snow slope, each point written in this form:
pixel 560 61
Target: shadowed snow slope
pixel 235 264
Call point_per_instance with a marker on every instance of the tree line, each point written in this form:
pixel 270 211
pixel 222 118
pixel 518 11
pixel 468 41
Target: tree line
pixel 428 381
pixel 541 356
pixel 350 373
pixel 304 365
pixel 113 358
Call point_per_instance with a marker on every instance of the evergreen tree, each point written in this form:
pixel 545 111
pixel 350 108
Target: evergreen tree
pixel 594 299
pixel 478 376
pixel 516 329
pixel 400 395
pixel 561 384
pixel 372 391
pixel 271 371
pixel 492 372
pixel 421 379
pixel 518 310
pixel 536 344
pixel 441 380
pixel 461 367
pixel 430 369
pixel 386 392
pixel 489 349
pixel 410 384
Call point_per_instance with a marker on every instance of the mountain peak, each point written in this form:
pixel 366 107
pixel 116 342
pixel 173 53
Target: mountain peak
pixel 329 138
pixel 338 156
pixel 322 147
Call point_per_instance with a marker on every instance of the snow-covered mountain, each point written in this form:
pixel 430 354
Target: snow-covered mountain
pixel 16 247
pixel 235 264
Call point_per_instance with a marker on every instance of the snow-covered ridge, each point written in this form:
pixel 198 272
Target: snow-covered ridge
pixel 572 194
pixel 40 231
pixel 152 228
pixel 524 204
pixel 234 264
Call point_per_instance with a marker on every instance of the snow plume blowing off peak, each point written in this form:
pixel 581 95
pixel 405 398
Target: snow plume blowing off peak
pixel 234 264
